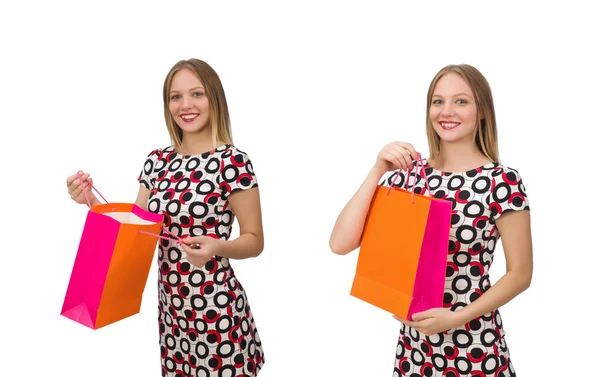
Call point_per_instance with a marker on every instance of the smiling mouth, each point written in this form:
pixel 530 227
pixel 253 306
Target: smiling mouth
pixel 189 117
pixel 449 125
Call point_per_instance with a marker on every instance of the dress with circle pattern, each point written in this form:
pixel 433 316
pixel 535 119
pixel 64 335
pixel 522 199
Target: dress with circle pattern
pixel 478 348
pixel 206 326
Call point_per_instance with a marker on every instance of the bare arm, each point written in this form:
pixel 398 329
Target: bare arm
pixel 143 197
pixel 349 225
pixel 348 228
pixel 516 241
pixel 246 207
pixel 76 187
pixel 515 234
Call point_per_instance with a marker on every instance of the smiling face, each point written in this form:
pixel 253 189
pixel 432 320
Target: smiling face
pixel 453 112
pixel 188 103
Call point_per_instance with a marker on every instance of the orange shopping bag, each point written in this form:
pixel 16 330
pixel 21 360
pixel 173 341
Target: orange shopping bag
pixel 404 249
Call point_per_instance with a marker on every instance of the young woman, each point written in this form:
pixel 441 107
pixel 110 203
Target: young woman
pixel 199 184
pixel 465 337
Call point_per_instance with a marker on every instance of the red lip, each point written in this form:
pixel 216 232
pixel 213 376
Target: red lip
pixel 193 115
pixel 448 125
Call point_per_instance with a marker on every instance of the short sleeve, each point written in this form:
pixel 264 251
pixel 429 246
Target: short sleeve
pixel 508 194
pixel 147 176
pixel 237 173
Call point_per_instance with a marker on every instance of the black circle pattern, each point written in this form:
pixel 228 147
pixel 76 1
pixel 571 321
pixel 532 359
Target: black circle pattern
pixel 478 348
pixel 206 326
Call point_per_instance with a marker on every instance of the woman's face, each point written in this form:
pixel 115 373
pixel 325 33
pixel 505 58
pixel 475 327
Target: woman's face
pixel 188 103
pixel 453 112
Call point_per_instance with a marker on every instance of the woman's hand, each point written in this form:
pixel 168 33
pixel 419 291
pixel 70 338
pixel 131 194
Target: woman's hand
pixel 434 321
pixel 77 185
pixel 395 155
pixel 200 250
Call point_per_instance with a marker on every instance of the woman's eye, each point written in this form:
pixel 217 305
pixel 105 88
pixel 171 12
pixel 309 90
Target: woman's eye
pixel 198 94
pixel 175 96
pixel 461 102
pixel 437 101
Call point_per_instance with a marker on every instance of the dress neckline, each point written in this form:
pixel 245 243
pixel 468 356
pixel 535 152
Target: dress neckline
pixel 488 166
pixel 221 148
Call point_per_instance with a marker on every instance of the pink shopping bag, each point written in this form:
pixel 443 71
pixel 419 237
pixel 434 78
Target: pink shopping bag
pixel 112 264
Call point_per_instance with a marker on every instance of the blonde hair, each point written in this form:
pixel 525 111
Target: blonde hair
pixel 219 123
pixel 486 137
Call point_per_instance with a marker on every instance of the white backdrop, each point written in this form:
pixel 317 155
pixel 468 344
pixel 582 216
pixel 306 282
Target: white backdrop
pixel 315 89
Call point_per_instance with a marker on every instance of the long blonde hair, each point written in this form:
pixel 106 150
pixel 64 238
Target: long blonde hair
pixel 219 123
pixel 486 137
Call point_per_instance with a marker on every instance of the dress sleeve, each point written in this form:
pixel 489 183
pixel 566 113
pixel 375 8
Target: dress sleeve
pixel 508 194
pixel 147 176
pixel 237 173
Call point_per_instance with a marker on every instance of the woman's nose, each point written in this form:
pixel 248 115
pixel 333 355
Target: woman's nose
pixel 447 110
pixel 186 102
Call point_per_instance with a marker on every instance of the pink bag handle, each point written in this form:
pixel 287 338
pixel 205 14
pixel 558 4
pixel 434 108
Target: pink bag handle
pixel 177 238
pixel 86 195
pixel 420 171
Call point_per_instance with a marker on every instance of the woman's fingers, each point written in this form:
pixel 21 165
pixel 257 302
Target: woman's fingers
pixel 403 154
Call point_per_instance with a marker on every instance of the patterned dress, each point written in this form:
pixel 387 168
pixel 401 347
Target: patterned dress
pixel 205 323
pixel 479 197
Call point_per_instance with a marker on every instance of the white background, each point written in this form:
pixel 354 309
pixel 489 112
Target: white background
pixel 315 89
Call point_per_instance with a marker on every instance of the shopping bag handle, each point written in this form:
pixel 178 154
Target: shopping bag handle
pixel 177 238
pixel 86 195
pixel 420 171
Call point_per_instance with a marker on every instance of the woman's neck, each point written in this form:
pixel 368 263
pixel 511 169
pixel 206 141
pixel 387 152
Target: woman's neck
pixel 458 157
pixel 197 143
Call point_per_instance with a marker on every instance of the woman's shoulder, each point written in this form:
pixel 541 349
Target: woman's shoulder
pixel 233 153
pixel 158 153
pixel 234 149
pixel 507 173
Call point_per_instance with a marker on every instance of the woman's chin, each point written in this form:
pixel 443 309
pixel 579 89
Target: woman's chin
pixel 192 128
pixel 453 135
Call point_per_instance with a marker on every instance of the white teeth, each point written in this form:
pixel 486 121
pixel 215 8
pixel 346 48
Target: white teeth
pixel 448 126
pixel 188 117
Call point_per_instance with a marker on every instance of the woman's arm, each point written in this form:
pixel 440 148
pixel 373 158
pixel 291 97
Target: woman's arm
pixel 143 197
pixel 348 228
pixel 516 240
pixel 246 207
pixel 349 225
pixel 515 230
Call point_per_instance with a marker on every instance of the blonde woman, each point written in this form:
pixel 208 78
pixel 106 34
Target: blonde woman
pixel 465 337
pixel 199 184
